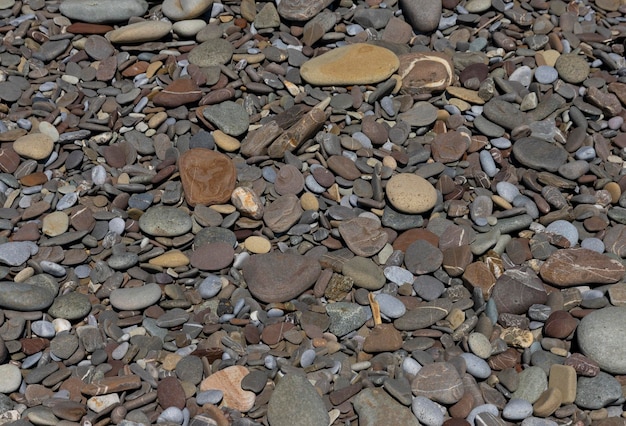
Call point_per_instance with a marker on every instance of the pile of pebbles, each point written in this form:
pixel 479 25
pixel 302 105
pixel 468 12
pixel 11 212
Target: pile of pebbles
pixel 313 212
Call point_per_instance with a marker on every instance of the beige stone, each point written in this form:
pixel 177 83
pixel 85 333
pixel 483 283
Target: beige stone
pixel 309 202
pixel 226 142
pixel 563 378
pixel 178 10
pixel 410 193
pixel 228 381
pixel 466 95
pixel 256 244
pixel 358 63
pixel 139 32
pixel 55 223
pixel 171 259
pixel 36 146
pixel 547 403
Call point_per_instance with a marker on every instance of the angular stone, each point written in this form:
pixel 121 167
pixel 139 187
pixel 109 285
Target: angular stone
pixel 375 407
pixel 308 408
pixel 363 236
pixel 439 382
pixel 517 290
pixel 228 381
pixel 280 277
pixel 208 176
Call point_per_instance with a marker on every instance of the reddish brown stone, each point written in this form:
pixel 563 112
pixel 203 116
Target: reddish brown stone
pixel 344 167
pixel 170 393
pixel 85 28
pixel 407 238
pixel 274 333
pixel 559 324
pixel 478 275
pixel 33 179
pixel 583 365
pixel 111 385
pixel 383 338
pixel 9 160
pixel 212 256
pixel 450 146
pixel 579 266
pixel 425 72
pixel 208 177
pixel 179 92
pixel 135 69
pixel 507 359
pixel 34 345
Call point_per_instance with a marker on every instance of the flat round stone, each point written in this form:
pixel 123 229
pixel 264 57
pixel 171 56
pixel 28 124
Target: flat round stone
pixel 212 256
pixel 358 63
pixel 211 53
pixel 280 277
pixel 601 336
pixel 539 155
pixel 410 193
pixel 165 221
pixel 572 68
pixel 132 298
pixel 37 146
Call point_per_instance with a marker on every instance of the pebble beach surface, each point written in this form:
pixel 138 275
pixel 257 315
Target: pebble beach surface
pixel 312 212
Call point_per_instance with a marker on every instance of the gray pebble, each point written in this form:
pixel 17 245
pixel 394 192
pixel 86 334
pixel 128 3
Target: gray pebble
pixel 390 306
pixel 427 411
pixel 565 229
pixel 209 397
pixel 546 74
pixel 210 286
pixel 476 366
pixel 43 329
pixel 507 190
pixel 517 409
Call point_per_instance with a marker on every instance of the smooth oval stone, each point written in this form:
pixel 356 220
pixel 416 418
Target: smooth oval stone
pixel 579 266
pixel 308 407
pixel 10 378
pixel 212 256
pixel 426 411
pixel 129 299
pixel 36 146
pixel 139 32
pixel 71 306
pixel 572 68
pixel 208 176
pixel 103 11
pixel 357 63
pixel 165 221
pixel 177 10
pixel 539 155
pixel 212 52
pixel 280 277
pixel 594 393
pixel 601 336
pixel 410 193
pixel 24 297
pixel 517 409
pixel 390 306
pixel 476 366
pixel 423 15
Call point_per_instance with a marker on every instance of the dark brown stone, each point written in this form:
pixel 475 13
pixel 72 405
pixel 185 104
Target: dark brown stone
pixel 344 167
pixel 170 393
pixel 363 236
pixel 383 338
pixel 179 92
pixel 516 290
pixel 212 256
pixel 450 146
pixel 456 259
pixel 208 176
pixel 559 324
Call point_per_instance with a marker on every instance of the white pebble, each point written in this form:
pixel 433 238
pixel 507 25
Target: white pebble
pixel 98 175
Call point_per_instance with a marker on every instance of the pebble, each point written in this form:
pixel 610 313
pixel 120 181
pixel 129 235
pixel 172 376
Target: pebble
pixel 337 67
pixel 603 326
pixel 103 12
pixel 426 411
pixel 308 408
pixel 411 194
pixel 135 297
